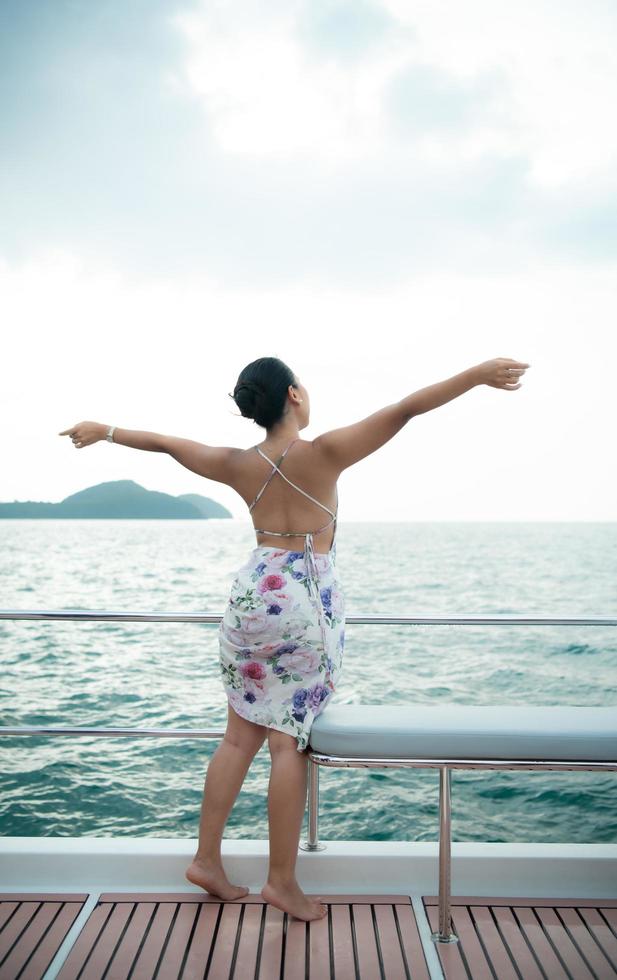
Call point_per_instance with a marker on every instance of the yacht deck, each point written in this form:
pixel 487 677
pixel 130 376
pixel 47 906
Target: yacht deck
pixel 192 936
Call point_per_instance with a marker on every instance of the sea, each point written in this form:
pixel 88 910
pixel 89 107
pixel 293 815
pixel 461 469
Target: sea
pixel 166 675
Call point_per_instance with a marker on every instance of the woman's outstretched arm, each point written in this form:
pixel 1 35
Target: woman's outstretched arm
pixel 345 446
pixel 211 462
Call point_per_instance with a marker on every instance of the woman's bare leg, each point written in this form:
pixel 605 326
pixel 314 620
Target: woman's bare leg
pixel 226 771
pixel 286 805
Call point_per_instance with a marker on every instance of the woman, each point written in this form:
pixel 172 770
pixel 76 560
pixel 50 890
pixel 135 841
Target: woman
pixel 281 637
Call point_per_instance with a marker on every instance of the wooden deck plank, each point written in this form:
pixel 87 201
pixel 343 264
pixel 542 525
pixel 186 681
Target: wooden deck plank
pixel 43 897
pixel 295 949
pixel 130 943
pixel 412 943
pixel 495 948
pixel 566 950
pixel 29 940
pixel 601 932
pixel 173 956
pixel 343 944
pixel 16 925
pixel 85 942
pixel 53 939
pixel 586 944
pixel 37 945
pixel 610 915
pixel 200 897
pixel 471 947
pixel 225 942
pixel 449 953
pixel 362 899
pixel 253 899
pixel 201 943
pixel 391 953
pixel 6 910
pixel 246 958
pixel 517 901
pixel 319 947
pixel 368 958
pixel 509 928
pixel 107 939
pixel 272 944
pixel 541 947
pixel 149 954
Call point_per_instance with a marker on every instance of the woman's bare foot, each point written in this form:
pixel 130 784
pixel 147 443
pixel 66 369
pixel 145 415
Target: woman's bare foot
pixel 212 878
pixel 289 897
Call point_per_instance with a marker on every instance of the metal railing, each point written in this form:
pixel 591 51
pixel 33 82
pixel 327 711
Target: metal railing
pixel 213 619
pixel 444 933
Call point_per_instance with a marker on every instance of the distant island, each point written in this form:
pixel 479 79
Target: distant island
pixel 120 499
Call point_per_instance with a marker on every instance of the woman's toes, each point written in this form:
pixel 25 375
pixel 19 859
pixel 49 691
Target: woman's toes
pixel 291 899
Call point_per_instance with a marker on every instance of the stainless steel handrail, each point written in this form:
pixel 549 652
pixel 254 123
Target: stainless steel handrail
pixel 113 732
pixel 91 615
pixel 457 762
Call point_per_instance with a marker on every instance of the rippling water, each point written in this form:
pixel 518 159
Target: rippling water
pixel 166 675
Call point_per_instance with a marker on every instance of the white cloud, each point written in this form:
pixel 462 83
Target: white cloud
pixel 265 93
pixel 548 69
pixel 336 140
pixel 558 60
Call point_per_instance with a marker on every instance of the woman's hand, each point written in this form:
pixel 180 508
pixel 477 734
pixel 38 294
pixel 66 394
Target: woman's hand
pixel 85 433
pixel 501 372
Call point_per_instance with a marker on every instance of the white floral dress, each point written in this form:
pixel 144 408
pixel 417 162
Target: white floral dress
pixel 282 634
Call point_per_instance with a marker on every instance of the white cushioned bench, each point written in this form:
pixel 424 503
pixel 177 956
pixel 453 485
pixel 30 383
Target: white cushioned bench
pixel 465 731
pixel 457 736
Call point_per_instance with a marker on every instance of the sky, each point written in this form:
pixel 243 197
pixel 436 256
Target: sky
pixel 382 194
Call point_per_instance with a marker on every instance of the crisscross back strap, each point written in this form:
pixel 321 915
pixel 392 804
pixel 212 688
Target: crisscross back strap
pixel 274 469
pixel 299 489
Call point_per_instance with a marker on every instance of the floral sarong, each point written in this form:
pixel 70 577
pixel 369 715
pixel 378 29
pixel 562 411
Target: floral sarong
pixel 281 638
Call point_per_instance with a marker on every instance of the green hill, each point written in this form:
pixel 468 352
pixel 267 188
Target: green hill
pixel 119 499
pixel 207 507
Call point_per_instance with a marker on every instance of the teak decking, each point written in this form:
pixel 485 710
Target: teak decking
pixel 193 936
pixel 532 938
pixel 32 928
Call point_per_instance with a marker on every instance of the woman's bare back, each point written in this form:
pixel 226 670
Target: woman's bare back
pixel 281 507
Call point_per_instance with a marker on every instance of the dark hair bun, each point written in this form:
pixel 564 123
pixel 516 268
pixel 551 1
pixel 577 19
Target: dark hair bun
pixel 261 390
pixel 248 396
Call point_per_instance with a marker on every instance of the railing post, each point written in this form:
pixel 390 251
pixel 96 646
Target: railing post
pixel 444 934
pixel 312 841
